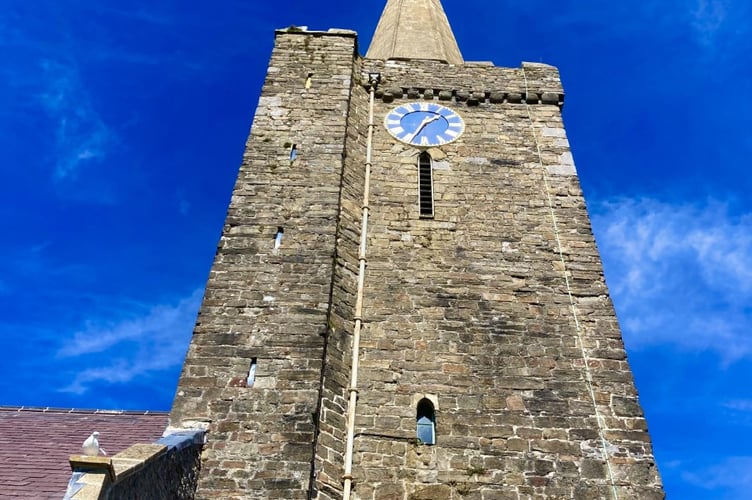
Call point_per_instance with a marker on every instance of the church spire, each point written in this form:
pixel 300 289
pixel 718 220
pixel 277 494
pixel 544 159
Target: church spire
pixel 414 29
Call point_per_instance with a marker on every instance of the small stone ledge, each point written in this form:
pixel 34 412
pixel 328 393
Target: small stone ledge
pixel 86 486
pixel 303 30
pixel 91 476
pixel 97 465
pixel 528 64
pixel 183 438
pixel 472 98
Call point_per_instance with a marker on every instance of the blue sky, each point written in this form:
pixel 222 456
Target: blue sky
pixel 122 126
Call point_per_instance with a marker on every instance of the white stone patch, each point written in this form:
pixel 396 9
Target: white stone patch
pixel 478 161
pixel 554 132
pixel 270 101
pixel 442 165
pixel 506 247
pixel 406 237
pixel 278 112
pixel 565 166
pixel 593 450
pixel 562 143
pixel 561 170
pixel 265 383
pixel 342 31
pixel 269 298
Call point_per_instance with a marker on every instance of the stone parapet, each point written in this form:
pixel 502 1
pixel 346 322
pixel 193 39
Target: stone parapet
pixel 473 84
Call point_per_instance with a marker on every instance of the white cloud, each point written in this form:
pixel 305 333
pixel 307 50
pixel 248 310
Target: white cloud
pixel 120 351
pixel 81 136
pixel 679 274
pixel 708 16
pixel 741 405
pixel 734 474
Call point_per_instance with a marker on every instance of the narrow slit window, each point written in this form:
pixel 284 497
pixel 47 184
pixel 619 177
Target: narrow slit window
pixel 293 152
pixel 309 81
pixel 251 379
pixel 425 185
pixel 426 422
pixel 278 238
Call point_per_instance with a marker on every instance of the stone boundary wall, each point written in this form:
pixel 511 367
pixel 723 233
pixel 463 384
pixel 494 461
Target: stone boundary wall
pixel 166 469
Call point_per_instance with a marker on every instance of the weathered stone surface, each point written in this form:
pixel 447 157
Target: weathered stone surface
pixel 271 304
pixel 414 29
pixel 495 309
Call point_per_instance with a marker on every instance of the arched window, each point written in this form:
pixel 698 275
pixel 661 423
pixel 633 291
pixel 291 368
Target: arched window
pixel 425 185
pixel 426 422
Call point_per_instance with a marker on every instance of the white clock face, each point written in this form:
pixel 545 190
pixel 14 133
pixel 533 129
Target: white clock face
pixel 424 124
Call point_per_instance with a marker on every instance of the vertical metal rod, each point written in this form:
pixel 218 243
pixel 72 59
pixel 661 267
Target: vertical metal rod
pixel 353 389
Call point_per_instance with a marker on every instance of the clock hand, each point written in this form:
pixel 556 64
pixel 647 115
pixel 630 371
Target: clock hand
pixel 423 125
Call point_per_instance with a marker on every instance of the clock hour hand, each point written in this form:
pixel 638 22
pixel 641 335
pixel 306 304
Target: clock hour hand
pixel 423 125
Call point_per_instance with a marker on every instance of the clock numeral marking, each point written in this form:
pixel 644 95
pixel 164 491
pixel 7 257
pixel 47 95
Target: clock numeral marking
pixel 424 124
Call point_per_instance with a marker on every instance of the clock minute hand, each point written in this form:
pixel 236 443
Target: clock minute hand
pixel 423 125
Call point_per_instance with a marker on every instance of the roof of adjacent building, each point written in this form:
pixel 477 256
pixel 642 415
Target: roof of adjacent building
pixel 414 29
pixel 37 443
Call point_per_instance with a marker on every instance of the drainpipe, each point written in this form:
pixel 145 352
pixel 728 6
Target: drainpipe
pixel 373 81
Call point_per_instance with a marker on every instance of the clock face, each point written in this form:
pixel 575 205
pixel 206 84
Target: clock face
pixel 424 124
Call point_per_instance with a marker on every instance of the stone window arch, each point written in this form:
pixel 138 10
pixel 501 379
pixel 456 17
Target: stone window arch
pixel 426 422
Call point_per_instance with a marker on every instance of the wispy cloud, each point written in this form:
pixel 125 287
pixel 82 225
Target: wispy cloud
pixel 741 405
pixel 733 474
pixel 708 15
pixel 121 350
pixel 721 30
pixel 82 137
pixel 680 274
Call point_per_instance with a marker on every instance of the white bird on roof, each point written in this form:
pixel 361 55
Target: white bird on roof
pixel 91 446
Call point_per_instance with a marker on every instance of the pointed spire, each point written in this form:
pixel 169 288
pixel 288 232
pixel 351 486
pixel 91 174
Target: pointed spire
pixel 414 29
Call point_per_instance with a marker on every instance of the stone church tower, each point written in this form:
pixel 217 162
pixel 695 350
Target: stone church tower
pixel 407 301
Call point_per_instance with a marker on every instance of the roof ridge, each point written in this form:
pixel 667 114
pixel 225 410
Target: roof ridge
pixel 51 409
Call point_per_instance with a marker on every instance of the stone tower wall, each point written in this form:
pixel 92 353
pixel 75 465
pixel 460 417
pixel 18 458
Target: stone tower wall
pixel 496 309
pixel 266 304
